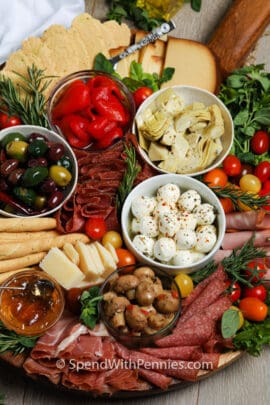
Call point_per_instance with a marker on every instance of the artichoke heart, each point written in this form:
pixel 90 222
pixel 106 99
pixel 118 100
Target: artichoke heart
pixel 216 127
pixel 170 102
pixel 153 124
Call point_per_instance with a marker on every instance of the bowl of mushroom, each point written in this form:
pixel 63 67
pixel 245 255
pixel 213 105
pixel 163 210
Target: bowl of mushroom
pixel 140 304
pixel 173 222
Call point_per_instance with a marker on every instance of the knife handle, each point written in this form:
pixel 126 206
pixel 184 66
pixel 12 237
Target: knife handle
pixel 158 32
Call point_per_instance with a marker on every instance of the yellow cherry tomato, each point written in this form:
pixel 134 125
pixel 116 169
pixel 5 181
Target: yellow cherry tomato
pixel 241 317
pixel 250 183
pixel 185 284
pixel 114 238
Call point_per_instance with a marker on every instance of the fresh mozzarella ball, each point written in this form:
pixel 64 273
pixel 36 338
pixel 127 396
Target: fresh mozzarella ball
pixel 164 207
pixel 135 225
pixel 149 226
pixel 143 205
pixel 183 258
pixel 204 228
pixel 197 256
pixel 187 220
pixel 168 224
pixel 189 200
pixel 164 249
pixel 205 214
pixel 169 193
pixel 185 239
pixel 144 244
pixel 205 240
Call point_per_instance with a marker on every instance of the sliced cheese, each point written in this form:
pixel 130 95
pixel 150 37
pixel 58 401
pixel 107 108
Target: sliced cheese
pixel 87 264
pixel 123 67
pixel 112 251
pixel 71 253
pixel 106 258
pixel 96 258
pixel 194 64
pixel 56 264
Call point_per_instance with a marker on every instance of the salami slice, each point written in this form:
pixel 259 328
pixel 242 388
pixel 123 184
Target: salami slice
pixel 217 308
pixel 160 380
pixel 209 361
pixel 178 353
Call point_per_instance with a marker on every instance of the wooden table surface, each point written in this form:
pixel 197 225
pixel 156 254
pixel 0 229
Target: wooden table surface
pixel 244 382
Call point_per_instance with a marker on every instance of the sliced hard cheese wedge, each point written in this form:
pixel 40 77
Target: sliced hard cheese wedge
pixel 87 264
pixel 61 268
pixel 112 251
pixel 194 64
pixel 96 258
pixel 152 56
pixel 123 67
pixel 106 258
pixel 71 253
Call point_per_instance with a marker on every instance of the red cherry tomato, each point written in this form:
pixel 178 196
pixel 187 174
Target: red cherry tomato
pixel 255 266
pixel 266 186
pixel 262 193
pixel 253 309
pixel 125 257
pixel 95 228
pixel 246 168
pixel 260 142
pixel 216 177
pixel 235 290
pixel 7 121
pixel 262 171
pixel 141 94
pixel 232 165
pixel 227 205
pixel 259 291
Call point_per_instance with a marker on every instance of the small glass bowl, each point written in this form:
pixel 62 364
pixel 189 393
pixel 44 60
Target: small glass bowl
pixel 85 75
pixel 28 314
pixel 145 340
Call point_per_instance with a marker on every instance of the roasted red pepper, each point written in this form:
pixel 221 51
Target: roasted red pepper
pixel 108 105
pixel 74 128
pixel 75 98
pixel 110 138
pixel 103 81
pixel 100 127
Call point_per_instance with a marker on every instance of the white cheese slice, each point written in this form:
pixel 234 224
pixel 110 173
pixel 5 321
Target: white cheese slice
pixel 112 251
pixel 87 264
pixel 96 258
pixel 106 258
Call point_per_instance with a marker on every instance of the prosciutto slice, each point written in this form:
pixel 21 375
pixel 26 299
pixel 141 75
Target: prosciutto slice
pixel 32 366
pixel 247 221
pixel 238 239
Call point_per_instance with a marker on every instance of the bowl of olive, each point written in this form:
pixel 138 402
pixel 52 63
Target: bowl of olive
pixel 38 169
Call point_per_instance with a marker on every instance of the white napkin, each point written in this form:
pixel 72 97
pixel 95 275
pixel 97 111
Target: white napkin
pixel 23 18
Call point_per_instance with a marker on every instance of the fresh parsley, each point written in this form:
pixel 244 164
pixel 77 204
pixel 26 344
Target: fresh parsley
pixel 89 301
pixel 253 336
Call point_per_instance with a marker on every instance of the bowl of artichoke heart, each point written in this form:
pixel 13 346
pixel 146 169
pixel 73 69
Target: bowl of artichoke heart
pixel 183 130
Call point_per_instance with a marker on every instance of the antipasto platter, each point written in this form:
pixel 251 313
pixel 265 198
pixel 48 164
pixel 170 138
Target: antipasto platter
pixel 131 263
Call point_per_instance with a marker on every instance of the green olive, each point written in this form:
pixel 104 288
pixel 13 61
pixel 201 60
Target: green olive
pixel 17 150
pixel 60 175
pixel 40 202
pixel 13 136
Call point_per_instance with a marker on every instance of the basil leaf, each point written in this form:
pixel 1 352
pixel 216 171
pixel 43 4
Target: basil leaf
pixel 167 75
pixel 263 116
pixel 241 118
pixel 235 81
pixel 136 71
pixel 89 301
pixel 230 323
pixel 132 84
pixel 196 5
pixel 102 64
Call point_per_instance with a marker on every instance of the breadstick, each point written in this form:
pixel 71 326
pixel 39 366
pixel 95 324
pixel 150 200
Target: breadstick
pixel 19 263
pixel 4 276
pixel 12 250
pixel 26 224
pixel 21 236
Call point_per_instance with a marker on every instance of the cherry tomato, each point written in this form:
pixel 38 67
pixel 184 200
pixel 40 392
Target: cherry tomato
pixel 259 291
pixel 263 193
pixel 262 171
pixel 246 168
pixel 7 121
pixel 95 228
pixel 257 267
pixel 253 309
pixel 114 238
pixel 266 186
pixel 232 165
pixel 250 183
pixel 227 205
pixel 185 284
pixel 235 290
pixel 141 94
pixel 125 257
pixel 216 177
pixel 260 142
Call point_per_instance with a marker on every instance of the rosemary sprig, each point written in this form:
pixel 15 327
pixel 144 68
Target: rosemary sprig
pixel 253 201
pixel 11 342
pixel 2 399
pixel 132 170
pixel 235 264
pixel 26 100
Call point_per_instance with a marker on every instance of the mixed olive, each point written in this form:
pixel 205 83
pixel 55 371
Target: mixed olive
pixel 137 304
pixel 34 171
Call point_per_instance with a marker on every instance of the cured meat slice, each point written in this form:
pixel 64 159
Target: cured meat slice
pixel 124 379
pixel 195 331
pixel 16 361
pixel 238 239
pixel 33 367
pixel 87 381
pixel 217 343
pixel 178 353
pixel 247 221
pixel 84 347
pixel 160 380
pixel 217 308
pixel 209 361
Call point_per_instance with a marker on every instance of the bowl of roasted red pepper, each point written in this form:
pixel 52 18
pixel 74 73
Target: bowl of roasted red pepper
pixel 91 109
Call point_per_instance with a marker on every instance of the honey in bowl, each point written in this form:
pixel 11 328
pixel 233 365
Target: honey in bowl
pixel 30 303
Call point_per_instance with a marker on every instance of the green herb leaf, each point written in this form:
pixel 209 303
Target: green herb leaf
pixel 230 323
pixel 167 75
pixel 253 336
pixel 263 116
pixel 196 5
pixel 17 344
pixel 89 301
pixel 241 118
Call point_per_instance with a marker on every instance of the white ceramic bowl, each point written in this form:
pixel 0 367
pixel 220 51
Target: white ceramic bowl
pixel 27 130
pixel 191 95
pixel 149 188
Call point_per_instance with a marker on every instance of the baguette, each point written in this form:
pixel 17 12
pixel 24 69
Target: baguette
pixel 26 224
pixel 13 250
pixel 21 262
pixel 23 236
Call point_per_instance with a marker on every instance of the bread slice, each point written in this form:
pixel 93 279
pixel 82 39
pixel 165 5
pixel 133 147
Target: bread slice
pixel 194 63
pixel 116 34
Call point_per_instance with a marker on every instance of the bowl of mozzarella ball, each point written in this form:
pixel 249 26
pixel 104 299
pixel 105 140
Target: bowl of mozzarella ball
pixel 174 222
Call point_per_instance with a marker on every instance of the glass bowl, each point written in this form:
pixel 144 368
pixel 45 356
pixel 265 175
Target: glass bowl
pixel 23 310
pixel 85 75
pixel 143 340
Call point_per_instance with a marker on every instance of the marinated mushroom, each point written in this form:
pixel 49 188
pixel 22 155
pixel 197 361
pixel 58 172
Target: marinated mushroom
pixel 135 318
pixel 125 283
pixel 116 305
pixel 159 321
pixel 144 272
pixel 145 292
pixel 118 320
pixel 167 302
pixel 157 286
